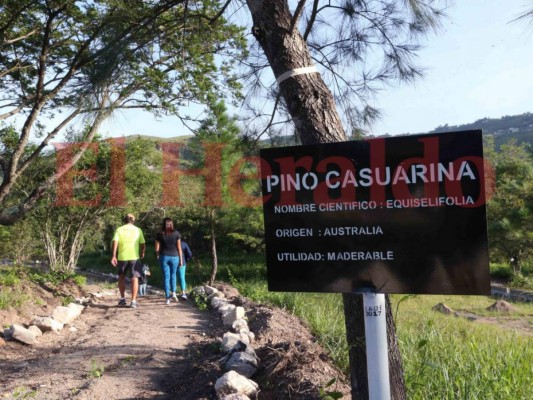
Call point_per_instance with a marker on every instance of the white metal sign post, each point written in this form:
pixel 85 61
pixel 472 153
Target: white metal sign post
pixel 377 353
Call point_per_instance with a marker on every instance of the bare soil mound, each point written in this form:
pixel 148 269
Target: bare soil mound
pixel 501 306
pixel 293 364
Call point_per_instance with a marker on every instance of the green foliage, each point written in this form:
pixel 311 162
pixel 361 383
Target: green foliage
pixel 226 218
pixel 326 394
pixel 522 282
pixel 53 278
pixel 201 301
pixel 99 57
pixel 97 369
pixel 66 300
pixel 11 293
pixel 22 392
pixel 21 242
pixel 79 280
pixel 510 210
pixel 9 276
pixel 501 271
pixel 128 360
pixel 12 298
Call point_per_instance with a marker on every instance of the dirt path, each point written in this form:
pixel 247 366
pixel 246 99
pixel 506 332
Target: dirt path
pixel 160 355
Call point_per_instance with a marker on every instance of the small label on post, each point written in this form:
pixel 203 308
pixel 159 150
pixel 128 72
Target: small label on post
pixel 374 311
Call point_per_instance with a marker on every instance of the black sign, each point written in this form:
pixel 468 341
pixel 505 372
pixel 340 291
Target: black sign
pixel 391 215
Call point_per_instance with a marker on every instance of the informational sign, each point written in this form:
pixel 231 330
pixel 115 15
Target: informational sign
pixel 390 215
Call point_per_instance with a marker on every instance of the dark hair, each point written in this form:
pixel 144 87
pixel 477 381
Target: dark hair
pixel 129 219
pixel 167 226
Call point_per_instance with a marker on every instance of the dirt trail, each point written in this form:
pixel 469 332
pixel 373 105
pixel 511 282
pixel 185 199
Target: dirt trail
pixel 158 356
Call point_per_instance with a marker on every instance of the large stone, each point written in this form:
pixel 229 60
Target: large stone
pixel 234 383
pixel 501 306
pixel 217 294
pixel 209 290
pixel 36 331
pixel 442 308
pixel 235 396
pixel 240 345
pixel 66 315
pixel 2 342
pixel 198 291
pixel 239 324
pixel 63 315
pixel 235 314
pixel 229 291
pixel 224 308
pixel 217 302
pixel 47 324
pixel 229 341
pixel 22 334
pixel 243 363
pixel 8 333
pixel 76 309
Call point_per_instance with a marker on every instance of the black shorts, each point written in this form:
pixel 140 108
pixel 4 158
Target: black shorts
pixel 131 267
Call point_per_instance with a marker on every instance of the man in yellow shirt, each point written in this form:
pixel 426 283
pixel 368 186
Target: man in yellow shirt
pixel 129 241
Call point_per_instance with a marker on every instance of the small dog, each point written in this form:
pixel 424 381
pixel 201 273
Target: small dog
pixel 143 280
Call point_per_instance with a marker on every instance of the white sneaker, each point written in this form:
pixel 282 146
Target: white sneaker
pixel 175 297
pixel 167 302
pixel 183 296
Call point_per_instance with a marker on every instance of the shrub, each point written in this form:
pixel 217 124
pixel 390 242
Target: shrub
pixel 501 271
pixel 9 276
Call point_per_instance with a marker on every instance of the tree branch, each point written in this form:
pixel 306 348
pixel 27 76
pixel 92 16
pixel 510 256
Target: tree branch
pixel 312 19
pixel 219 14
pixel 297 14
pixel 18 39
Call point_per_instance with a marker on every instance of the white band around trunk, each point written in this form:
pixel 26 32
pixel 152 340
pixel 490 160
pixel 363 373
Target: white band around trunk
pixel 297 71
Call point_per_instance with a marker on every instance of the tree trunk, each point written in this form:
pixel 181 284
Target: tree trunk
pixel 397 381
pixel 312 108
pixel 308 99
pixel 355 336
pixel 214 267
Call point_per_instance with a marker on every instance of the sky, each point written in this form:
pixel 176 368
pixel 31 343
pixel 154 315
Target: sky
pixel 480 64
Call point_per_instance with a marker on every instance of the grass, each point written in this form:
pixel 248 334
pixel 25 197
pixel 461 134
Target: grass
pixel 444 357
pixel 22 392
pixel 453 358
pixel 97 369
pixel 13 294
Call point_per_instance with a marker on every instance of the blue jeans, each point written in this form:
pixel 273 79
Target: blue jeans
pixel 181 271
pixel 169 266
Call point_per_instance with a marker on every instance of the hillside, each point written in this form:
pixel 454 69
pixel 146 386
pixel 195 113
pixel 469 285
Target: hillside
pixel 504 129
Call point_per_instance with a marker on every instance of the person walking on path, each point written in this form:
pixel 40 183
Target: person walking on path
pixel 187 255
pixel 129 241
pixel 170 256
